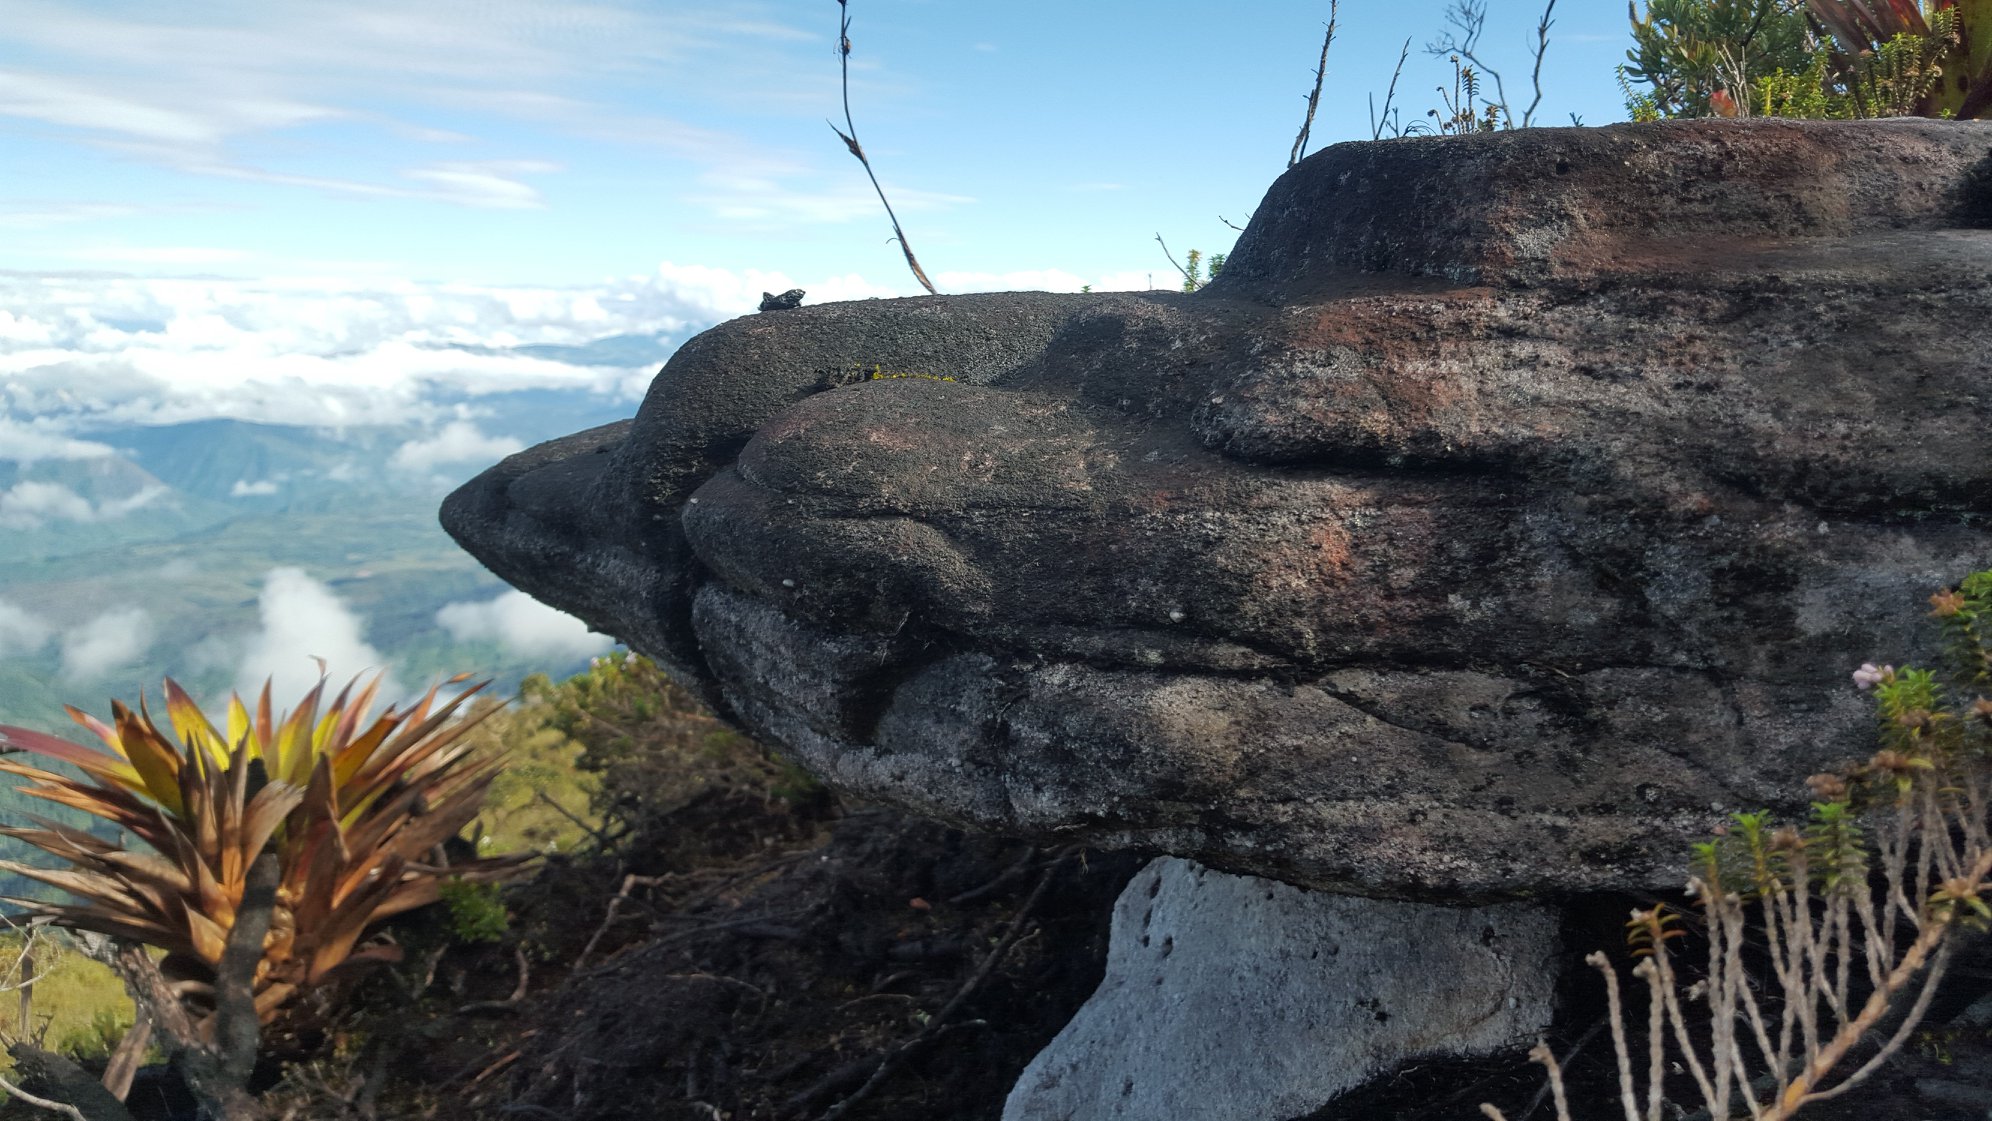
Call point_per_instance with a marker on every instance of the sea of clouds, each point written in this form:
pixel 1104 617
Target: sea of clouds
pixel 83 352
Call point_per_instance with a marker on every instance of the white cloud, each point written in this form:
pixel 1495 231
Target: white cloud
pixel 302 620
pixel 459 441
pixel 243 488
pixel 20 632
pixel 29 440
pixel 105 643
pixel 522 625
pixel 161 254
pixel 138 500
pixel 29 505
pixel 491 183
pixel 194 89
pixel 77 351
pixel 32 215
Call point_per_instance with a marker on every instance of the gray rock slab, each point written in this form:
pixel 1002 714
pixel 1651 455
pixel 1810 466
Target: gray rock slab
pixel 1512 510
pixel 1233 998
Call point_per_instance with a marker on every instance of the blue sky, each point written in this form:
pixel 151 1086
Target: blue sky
pixel 568 144
pixel 343 213
pixel 354 211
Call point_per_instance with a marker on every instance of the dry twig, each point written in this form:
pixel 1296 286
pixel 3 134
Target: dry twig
pixel 1470 17
pixel 44 1103
pixel 1379 123
pixel 1187 277
pixel 850 140
pixel 510 1003
pixel 615 905
pixel 1314 96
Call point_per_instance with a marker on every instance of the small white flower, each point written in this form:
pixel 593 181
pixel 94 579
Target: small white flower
pixel 1870 675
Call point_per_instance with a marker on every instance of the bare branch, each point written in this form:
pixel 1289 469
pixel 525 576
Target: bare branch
pixel 43 1103
pixel 1377 123
pixel 1470 17
pixel 601 838
pixel 1187 278
pixel 850 139
pixel 1314 96
pixel 1542 48
pixel 237 1029
pixel 510 1003
pixel 615 904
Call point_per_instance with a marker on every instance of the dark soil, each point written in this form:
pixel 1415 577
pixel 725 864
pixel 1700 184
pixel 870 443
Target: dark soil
pixel 797 961
pixel 777 982
pixel 769 971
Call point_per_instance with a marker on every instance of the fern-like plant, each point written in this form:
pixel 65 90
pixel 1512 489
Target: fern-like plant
pixel 353 806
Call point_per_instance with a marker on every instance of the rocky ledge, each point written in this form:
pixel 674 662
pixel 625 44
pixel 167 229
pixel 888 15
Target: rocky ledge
pixel 1514 506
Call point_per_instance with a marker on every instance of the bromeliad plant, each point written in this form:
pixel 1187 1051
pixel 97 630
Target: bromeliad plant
pixel 352 807
pixel 1935 53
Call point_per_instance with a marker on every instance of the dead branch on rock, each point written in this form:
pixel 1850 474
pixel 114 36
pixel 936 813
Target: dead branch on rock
pixel 1379 123
pixel 1188 278
pixel 1541 48
pixel 1314 96
pixel 850 140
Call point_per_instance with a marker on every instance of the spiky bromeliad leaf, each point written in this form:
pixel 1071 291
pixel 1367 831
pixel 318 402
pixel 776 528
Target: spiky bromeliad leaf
pixel 1964 90
pixel 354 807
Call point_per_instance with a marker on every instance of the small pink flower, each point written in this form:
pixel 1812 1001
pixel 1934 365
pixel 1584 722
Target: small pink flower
pixel 1871 675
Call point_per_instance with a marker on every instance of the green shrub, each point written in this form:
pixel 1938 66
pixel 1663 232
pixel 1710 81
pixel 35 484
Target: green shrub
pixel 477 914
pixel 1821 59
pixel 1687 51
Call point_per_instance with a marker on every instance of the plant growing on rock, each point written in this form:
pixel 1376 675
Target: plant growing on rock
pixel 1857 910
pixel 1689 51
pixel 1823 59
pixel 352 808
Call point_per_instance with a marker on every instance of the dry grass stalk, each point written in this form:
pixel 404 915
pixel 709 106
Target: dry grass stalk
pixel 1857 914
pixel 850 139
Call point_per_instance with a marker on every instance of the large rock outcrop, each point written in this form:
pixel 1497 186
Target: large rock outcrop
pixel 1514 506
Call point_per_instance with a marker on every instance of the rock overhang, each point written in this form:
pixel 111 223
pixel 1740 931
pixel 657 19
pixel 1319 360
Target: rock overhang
pixel 1439 581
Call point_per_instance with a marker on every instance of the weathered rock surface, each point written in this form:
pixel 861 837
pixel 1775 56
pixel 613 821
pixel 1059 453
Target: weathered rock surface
pixel 1513 507
pixel 1232 998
